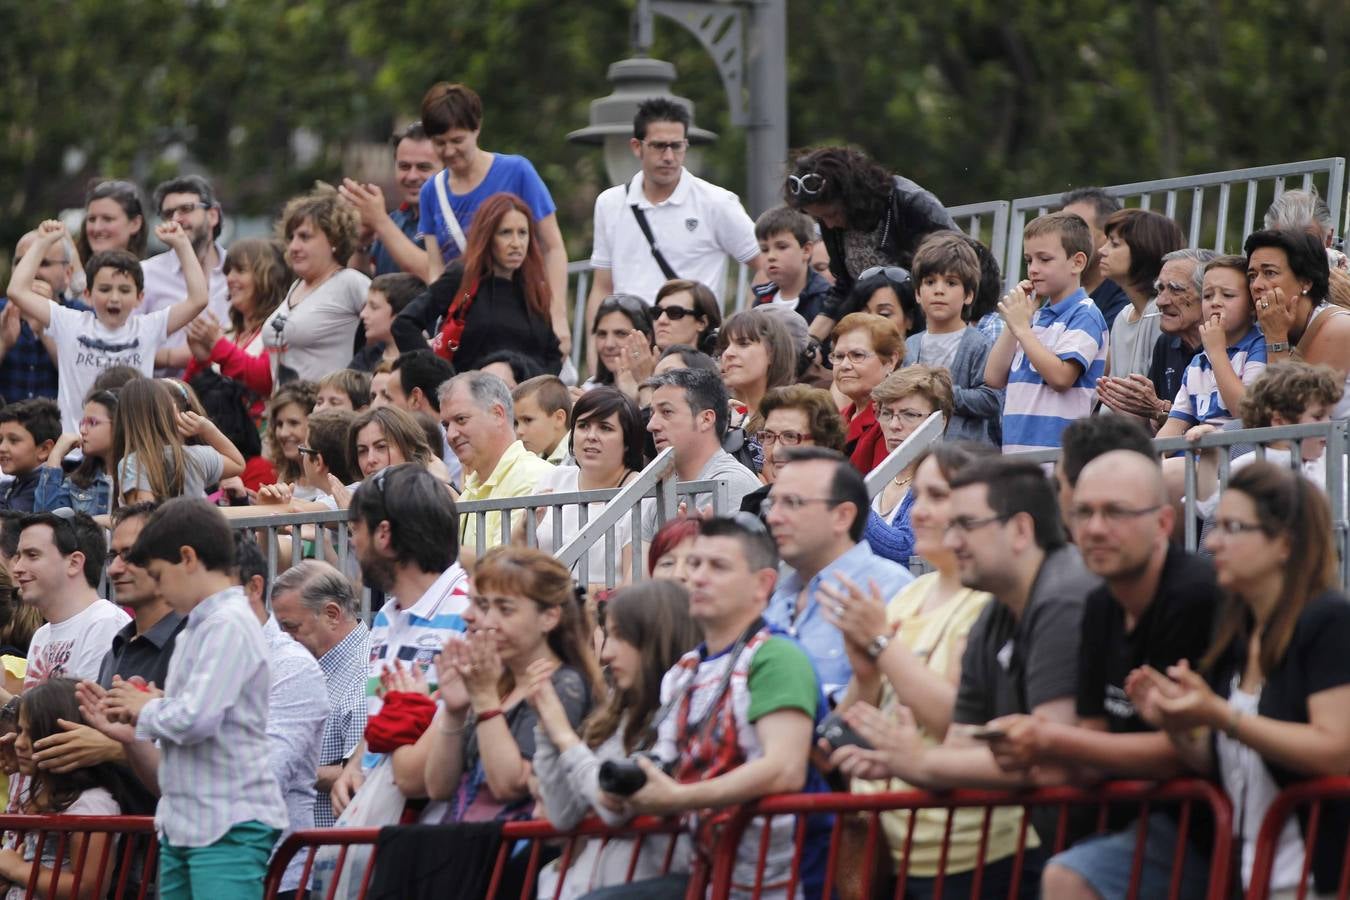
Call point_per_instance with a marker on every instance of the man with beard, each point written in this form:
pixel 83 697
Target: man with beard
pixel 1154 608
pixel 405 534
pixel 189 201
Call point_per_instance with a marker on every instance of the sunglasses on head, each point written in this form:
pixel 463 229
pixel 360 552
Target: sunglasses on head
pixel 895 274
pixel 808 185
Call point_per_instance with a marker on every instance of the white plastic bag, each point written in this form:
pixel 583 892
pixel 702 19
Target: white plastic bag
pixel 377 803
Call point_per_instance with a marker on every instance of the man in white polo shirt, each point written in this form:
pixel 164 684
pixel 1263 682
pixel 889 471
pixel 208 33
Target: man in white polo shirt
pixel 694 225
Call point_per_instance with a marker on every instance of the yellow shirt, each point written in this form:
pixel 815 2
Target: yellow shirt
pixel 940 636
pixel 516 474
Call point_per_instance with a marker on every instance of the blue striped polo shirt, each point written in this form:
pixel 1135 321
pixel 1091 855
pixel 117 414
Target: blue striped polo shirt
pixel 1199 400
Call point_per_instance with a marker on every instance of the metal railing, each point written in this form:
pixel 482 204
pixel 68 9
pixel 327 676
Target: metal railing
pixel 985 222
pixel 1222 443
pixel 1210 226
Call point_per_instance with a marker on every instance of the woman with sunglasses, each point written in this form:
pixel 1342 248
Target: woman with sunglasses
pixel 888 291
pixel 685 312
pixel 1269 704
pixel 868 217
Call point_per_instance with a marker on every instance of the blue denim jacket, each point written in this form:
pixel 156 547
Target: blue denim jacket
pixel 55 491
pixel 822 641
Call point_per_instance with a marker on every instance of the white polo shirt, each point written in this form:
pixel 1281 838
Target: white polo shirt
pixel 697 228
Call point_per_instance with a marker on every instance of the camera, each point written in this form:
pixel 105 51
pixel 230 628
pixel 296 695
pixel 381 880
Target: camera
pixel 624 777
pixel 838 733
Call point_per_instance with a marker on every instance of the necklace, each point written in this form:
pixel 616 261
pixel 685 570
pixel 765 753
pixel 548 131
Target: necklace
pixel 901 482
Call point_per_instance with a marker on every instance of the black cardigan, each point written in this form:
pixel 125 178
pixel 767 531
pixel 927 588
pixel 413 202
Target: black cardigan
pixel 1316 660
pixel 499 319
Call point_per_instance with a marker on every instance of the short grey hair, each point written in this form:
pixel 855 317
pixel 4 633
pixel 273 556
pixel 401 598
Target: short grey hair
pixel 485 389
pixel 318 584
pixel 1296 210
pixel 1196 255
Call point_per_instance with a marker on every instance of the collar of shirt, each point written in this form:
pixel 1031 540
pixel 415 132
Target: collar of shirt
pixel 215 603
pixel 853 563
pixel 482 490
pixel 217 269
pixel 345 649
pixel 681 193
pixel 158 633
pixel 1061 309
pixel 426 605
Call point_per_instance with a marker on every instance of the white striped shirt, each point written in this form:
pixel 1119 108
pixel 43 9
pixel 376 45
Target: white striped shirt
pixel 1199 400
pixel 211 725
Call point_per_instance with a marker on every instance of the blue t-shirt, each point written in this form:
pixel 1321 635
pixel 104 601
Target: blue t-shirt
pixel 509 173
pixel 405 217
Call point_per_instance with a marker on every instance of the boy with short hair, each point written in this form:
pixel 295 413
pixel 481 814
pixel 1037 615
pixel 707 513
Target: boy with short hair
pixel 344 389
pixel 1049 356
pixel 786 238
pixel 387 296
pixel 947 273
pixel 87 343
pixel 28 431
pixel 220 812
pixel 543 408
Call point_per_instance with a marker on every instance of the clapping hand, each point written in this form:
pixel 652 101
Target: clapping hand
pixel 542 696
pixel 894 739
pixel 400 678
pixel 1018 307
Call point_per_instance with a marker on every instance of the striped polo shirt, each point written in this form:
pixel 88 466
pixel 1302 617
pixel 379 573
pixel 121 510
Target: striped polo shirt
pixel 1198 401
pixel 1034 413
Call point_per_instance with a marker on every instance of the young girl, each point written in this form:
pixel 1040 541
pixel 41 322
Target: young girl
pixel 88 488
pixel 386 436
pixel 148 444
pixel 647 630
pixel 478 749
pixel 97 790
pixel 286 430
pixel 755 353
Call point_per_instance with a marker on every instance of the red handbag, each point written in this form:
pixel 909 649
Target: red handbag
pixel 446 342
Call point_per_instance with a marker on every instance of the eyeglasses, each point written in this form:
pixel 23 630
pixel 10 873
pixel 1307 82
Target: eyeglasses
pixel 896 274
pixel 857 357
pixel 909 416
pixel 92 422
pixel 676 147
pixel 809 184
pixel 967 524
pixel 1112 515
pixel 673 313
pixel 786 438
pixel 183 209
pixel 307 451
pixel 1232 527
pixel 793 503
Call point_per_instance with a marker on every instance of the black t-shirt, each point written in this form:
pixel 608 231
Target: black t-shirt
pixel 1177 625
pixel 1171 356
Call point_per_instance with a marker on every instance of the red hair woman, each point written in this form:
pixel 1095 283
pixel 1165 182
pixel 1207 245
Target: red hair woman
pixel 497 299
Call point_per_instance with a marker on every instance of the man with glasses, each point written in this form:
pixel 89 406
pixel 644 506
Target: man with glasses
pixel 1178 288
pixel 666 222
pixel 1154 608
pixel 189 201
pixel 816 512
pixel 27 370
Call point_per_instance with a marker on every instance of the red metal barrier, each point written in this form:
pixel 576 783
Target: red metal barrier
pixel 1312 794
pixel 113 872
pixel 1144 795
pixel 539 834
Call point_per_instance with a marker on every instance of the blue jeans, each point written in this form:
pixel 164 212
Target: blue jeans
pixel 1104 861
pixel 232 868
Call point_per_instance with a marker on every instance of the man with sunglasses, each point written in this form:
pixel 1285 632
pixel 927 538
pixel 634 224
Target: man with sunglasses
pixel 190 201
pixel 666 223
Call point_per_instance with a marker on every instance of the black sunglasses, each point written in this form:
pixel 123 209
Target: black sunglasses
pixel 895 274
pixel 672 312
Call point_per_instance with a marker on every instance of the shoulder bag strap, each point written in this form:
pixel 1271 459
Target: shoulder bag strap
pixel 447 213
pixel 660 258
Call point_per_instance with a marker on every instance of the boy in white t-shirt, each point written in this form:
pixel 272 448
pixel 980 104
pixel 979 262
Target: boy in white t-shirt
pixel 87 343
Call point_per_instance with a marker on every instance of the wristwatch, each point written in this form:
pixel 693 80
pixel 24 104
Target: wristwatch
pixel 878 646
pixel 1277 347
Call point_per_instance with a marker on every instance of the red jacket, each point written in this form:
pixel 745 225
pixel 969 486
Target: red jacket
pixel 866 445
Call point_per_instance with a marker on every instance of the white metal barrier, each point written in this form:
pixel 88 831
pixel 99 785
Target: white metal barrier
pixel 986 223
pixel 1221 226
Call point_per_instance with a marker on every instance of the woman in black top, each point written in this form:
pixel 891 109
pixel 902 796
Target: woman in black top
pixel 1273 707
pixel 498 299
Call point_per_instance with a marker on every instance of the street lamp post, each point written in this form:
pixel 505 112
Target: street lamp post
pixel 747 40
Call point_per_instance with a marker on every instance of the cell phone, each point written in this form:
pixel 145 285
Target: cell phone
pixel 838 733
pixel 988 734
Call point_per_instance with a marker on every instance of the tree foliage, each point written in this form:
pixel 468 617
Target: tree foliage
pixel 976 99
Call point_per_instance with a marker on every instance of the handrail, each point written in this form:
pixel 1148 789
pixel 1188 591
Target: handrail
pixel 975 214
pixel 1312 792
pixel 923 437
pixel 1333 167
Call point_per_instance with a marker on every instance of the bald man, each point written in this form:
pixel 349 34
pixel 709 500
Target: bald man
pixel 27 366
pixel 1154 608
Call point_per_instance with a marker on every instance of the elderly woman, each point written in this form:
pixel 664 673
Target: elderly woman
pixel 903 402
pixel 311 333
pixel 868 217
pixel 1290 284
pixel 867 348
pixel 794 416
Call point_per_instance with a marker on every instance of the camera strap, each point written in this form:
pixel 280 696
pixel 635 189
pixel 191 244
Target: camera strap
pixel 649 733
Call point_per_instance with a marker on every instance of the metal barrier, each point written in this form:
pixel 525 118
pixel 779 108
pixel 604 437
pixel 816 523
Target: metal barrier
pixel 1147 796
pixel 1210 227
pixel 1259 439
pixel 1312 794
pixel 538 834
pixel 923 437
pixel 973 218
pixel 114 875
